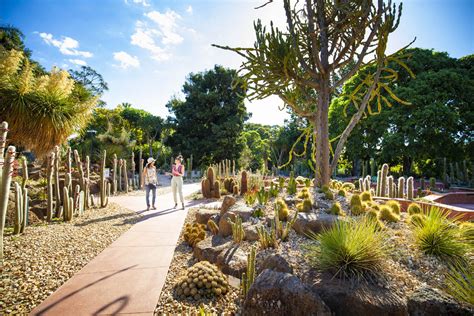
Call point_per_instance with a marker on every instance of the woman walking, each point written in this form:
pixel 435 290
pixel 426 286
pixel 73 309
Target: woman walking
pixel 151 182
pixel 177 171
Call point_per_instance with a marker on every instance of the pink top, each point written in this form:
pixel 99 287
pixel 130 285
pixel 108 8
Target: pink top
pixel 177 171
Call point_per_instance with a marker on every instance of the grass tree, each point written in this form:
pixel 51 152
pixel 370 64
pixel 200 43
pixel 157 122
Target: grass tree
pixel 324 44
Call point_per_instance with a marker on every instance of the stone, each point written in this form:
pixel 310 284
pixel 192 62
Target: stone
pixel 276 293
pixel 225 229
pixel 344 298
pixel 430 301
pixel 232 261
pixel 276 263
pixel 228 201
pixel 315 222
pixel 242 210
pixel 210 248
pixel 250 231
pixel 204 214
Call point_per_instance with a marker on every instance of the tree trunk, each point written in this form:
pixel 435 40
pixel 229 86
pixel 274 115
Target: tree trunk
pixel 150 142
pixel 321 133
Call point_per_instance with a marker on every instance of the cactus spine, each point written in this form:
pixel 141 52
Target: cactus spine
pixel 383 185
pixel 248 277
pixel 103 182
pixel 50 170
pixel 7 169
pixel 410 188
pixel 401 187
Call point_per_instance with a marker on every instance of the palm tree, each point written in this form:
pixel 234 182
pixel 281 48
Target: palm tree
pixel 43 110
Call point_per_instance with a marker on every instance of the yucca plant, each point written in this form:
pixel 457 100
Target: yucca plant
pixel 349 249
pixel 460 281
pixel 439 235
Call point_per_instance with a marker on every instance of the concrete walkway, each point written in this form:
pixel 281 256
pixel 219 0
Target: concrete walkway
pixel 127 277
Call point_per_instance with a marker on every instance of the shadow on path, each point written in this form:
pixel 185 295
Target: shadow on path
pixel 122 301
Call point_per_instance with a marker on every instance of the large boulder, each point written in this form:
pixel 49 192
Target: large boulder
pixel 276 293
pixel 225 229
pixel 315 222
pixel 429 301
pixel 277 263
pixel 250 231
pixel 210 248
pixel 232 261
pixel 358 300
pixel 204 214
pixel 242 210
pixel 228 201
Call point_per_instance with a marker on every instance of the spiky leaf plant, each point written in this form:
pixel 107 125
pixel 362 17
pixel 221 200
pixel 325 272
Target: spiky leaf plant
pixel 460 281
pixel 349 249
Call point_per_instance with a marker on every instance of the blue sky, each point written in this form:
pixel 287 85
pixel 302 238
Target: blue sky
pixel 146 48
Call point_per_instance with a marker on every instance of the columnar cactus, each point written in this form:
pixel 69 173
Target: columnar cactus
pixel 401 188
pixel 132 169
pixel 244 183
pixel 5 182
pixel 445 174
pixel 83 181
pixel 367 183
pixel 216 190
pixel 21 209
pixel 361 185
pixel 125 176
pixel 140 168
pixel 383 183
pixel 238 233
pixel 379 183
pixel 68 205
pixel 25 172
pixel 114 175
pixel 410 188
pixel 103 182
pixel 50 170
pixel 390 187
pixel 3 138
pixel 248 277
pixel 57 188
pixel 120 175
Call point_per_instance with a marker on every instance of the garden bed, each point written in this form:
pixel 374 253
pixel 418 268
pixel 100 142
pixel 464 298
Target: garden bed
pixel 43 258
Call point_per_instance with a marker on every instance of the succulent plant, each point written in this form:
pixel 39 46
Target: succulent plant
pixel 267 239
pixel 212 226
pixel 114 175
pixel 414 208
pixel 394 205
pixel 347 186
pixel 6 168
pixel 328 195
pixel 417 219
pixel 248 277
pixel 433 183
pixel 238 233
pixel 356 205
pixel 202 280
pixel 291 187
pixel 366 196
pixel 387 214
pixel 104 199
pixel 341 192
pixel 281 183
pixel 194 233
pixel 303 194
pixel 401 188
pixel 235 190
pixel 244 183
pixel 384 183
pixel 282 209
pixel 336 209
pixel 50 192
pixel 410 188
pixel 305 206
pixel 216 190
pixel 390 187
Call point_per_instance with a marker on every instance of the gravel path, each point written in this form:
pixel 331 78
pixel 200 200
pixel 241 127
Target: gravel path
pixel 47 255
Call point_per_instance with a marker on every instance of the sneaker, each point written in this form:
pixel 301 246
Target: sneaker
pixel 153 207
pixel 148 208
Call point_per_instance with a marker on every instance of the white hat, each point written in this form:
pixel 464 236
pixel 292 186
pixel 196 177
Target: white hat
pixel 150 160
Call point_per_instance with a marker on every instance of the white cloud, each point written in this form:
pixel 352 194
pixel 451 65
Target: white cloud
pixel 189 10
pixel 126 60
pixel 145 3
pixel 78 62
pixel 67 45
pixel 143 37
pixel 167 26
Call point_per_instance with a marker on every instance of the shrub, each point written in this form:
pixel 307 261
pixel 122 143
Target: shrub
pixel 439 235
pixel 349 249
pixel 328 195
pixel 394 205
pixel 460 282
pixel 414 208
pixel 341 192
pixel 386 214
pixel 336 209
pixel 366 196
pixel 304 206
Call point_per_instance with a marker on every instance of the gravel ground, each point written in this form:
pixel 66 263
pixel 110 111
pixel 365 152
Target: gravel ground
pixel 47 255
pixel 183 259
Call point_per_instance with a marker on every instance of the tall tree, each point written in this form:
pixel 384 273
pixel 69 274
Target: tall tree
pixel 209 121
pixel 300 64
pixel 90 79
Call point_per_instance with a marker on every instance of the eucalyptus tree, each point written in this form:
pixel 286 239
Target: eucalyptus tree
pixel 306 64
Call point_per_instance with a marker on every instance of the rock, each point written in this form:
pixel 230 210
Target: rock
pixel 276 293
pixel 203 215
pixel 250 231
pixel 429 301
pixel 232 261
pixel 242 210
pixel 228 201
pixel 276 263
pixel 314 222
pixel 359 300
pixel 225 229
pixel 209 248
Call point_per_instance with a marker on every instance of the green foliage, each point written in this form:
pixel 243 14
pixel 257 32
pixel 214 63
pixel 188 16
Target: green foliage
pixel 341 192
pixel 267 239
pixel 249 276
pixel 273 191
pixel 281 183
pixel 292 186
pixel 349 249
pixel 217 107
pixel 366 196
pixel 439 235
pixel 258 213
pixel 460 282
pixel 303 194
pixel 417 219
pixel 356 205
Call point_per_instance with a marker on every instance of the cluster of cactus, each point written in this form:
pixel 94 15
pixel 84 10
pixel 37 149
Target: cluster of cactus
pixel 356 205
pixel 366 196
pixel 210 186
pixel 300 180
pixel 386 213
pixel 21 208
pixel 267 239
pixel 382 188
pixel 273 190
pixel 387 186
pixel 329 195
pixel 336 209
pixel 238 233
pixel 394 205
pixel 283 230
pixel 212 226
pixel 248 277
pixel 305 206
pixel 338 185
pixel 250 198
pixel 341 192
pixel 224 169
pixel 83 183
pixel 263 196
pixel 365 183
pixel 68 205
pixel 5 182
pixel 292 185
pixel 194 233
pixel 282 209
pixel 202 280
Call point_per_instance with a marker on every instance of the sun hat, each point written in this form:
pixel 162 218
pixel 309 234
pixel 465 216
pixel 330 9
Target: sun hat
pixel 150 160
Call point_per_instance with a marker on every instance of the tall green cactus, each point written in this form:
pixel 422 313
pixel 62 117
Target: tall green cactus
pixel 383 184
pixel 68 205
pixel 132 170
pixel 248 277
pixel 57 188
pixel 379 183
pixel 367 183
pixel 21 209
pixel 243 183
pixel 50 192
pixel 24 163
pixel 82 179
pixel 103 182
pixel 3 138
pixel 114 174
pixel 238 233
pixel 401 188
pixel 120 175
pixel 5 182
pixel 140 168
pixel 125 176
pixel 410 188
pixel 391 193
pixel 87 192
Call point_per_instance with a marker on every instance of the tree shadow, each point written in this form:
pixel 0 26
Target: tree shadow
pixel 122 301
pixel 108 218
